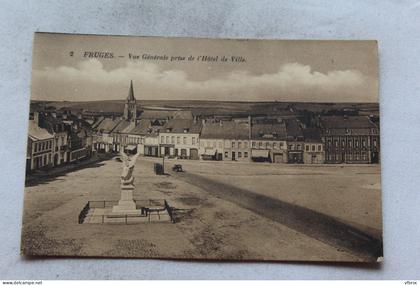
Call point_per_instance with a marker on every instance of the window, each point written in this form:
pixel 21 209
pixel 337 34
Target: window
pixel 336 143
pixel 254 144
pixel 292 147
pixel 307 148
pixel 356 143
pixel 260 144
pixel 275 145
pixel 281 144
pixel 343 143
pixel 364 143
pixel 298 147
pixel 245 154
pixel 245 144
pixel 364 156
pixel 226 154
pixel 374 143
pixel 233 144
pixel 239 145
pixel 350 143
pixel 239 154
pixel 313 147
pixel 178 140
pixel 319 147
pixel 184 140
pixel 193 141
pixel 167 139
pixel 267 145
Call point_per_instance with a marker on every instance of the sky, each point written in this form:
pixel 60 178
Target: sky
pixel 302 71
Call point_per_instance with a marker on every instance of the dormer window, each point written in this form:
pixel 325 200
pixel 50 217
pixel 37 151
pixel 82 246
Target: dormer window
pixel 168 130
pixel 186 130
pixel 267 136
pixel 348 131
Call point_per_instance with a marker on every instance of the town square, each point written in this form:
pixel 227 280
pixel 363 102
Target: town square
pixel 209 226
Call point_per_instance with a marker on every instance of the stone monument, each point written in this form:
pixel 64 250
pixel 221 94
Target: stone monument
pixel 126 204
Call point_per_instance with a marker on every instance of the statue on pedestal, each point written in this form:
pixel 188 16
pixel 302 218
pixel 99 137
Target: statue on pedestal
pixel 126 204
pixel 128 167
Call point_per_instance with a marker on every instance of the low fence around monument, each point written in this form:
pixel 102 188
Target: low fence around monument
pixel 140 204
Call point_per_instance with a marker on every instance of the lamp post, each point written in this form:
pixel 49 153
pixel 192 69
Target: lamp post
pixel 163 164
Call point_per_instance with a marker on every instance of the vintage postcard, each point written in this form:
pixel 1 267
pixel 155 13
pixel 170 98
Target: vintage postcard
pixel 209 149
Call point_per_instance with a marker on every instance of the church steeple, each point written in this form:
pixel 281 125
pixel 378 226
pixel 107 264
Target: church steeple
pixel 130 96
pixel 130 107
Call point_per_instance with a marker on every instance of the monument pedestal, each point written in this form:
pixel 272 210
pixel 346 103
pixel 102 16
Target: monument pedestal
pixel 126 204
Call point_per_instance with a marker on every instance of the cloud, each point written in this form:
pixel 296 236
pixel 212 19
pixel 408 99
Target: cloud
pixel 89 80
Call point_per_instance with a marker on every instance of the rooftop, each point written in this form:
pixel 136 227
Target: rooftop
pixel 107 125
pixel 37 133
pixel 347 122
pixel 312 134
pixel 182 126
pixel 269 131
pixel 225 130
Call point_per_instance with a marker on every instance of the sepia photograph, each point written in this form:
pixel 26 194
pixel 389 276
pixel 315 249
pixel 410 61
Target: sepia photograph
pixel 203 149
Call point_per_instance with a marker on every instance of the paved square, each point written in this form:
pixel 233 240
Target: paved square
pixel 218 210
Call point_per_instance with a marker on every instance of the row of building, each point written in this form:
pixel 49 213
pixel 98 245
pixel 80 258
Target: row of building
pixel 58 137
pixel 177 133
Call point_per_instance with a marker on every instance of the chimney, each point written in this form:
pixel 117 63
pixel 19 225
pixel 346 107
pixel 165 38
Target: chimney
pixel 36 118
pixel 249 126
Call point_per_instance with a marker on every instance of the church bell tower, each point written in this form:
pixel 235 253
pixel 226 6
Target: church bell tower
pixel 130 107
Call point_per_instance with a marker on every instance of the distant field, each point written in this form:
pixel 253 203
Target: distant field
pixel 215 106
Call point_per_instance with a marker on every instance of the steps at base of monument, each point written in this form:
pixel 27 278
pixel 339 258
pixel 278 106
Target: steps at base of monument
pixel 108 215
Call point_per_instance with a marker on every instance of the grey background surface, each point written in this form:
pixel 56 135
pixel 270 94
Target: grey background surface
pixel 395 24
